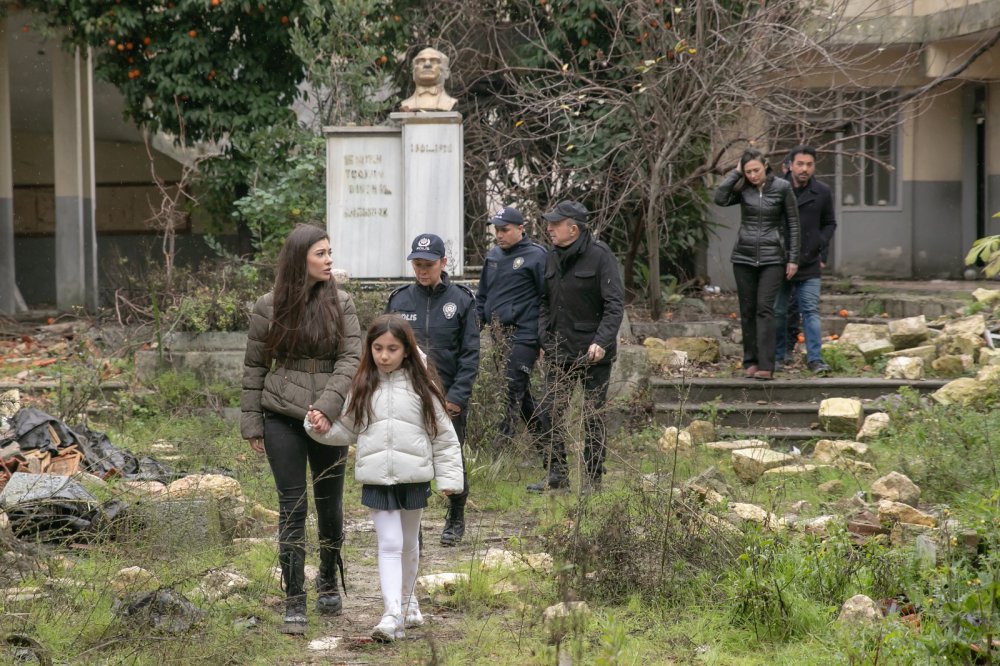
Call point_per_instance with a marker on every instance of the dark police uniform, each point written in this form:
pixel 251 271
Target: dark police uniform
pixel 510 292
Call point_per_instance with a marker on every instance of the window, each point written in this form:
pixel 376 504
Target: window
pixel 859 133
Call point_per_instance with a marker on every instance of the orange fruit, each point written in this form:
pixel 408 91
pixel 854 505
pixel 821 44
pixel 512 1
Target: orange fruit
pixel 584 42
pixel 147 41
pixel 843 313
pixel 111 42
pixel 284 20
pixel 192 33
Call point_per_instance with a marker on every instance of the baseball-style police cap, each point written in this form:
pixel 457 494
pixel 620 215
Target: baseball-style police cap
pixel 507 216
pixel 427 246
pixel 573 210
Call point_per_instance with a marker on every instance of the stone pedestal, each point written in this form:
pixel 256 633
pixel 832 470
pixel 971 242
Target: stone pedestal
pixel 386 185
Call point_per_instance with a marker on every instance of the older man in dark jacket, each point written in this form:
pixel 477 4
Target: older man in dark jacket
pixel 581 311
pixel 817 222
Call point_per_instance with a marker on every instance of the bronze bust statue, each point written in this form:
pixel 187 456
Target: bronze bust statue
pixel 430 71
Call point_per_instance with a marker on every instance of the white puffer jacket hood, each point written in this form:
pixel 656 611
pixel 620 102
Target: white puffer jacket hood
pixel 395 448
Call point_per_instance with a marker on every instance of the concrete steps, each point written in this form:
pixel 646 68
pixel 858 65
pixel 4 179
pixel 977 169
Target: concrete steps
pixel 783 409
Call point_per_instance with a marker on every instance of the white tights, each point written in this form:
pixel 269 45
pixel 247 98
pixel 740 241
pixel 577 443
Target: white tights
pixel 398 556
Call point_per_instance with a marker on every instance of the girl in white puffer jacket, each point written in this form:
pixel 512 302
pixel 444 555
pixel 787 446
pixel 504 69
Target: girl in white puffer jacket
pixel 405 440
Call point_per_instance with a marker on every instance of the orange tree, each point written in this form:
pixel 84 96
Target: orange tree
pixel 204 68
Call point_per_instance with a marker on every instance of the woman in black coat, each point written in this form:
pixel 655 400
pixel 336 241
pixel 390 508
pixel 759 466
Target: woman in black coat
pixel 766 252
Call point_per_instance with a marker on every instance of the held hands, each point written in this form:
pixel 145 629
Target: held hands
pixel 791 270
pixel 257 444
pixel 452 409
pixel 318 419
pixel 595 353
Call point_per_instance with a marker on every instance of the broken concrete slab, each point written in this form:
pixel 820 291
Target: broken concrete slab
pixel 841 415
pixel 905 367
pixel 830 450
pixel 897 512
pixel 908 332
pixel 750 464
pixel 874 425
pixel 896 487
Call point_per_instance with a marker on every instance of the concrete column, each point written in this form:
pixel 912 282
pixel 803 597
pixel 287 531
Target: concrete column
pixel 88 179
pixel 71 284
pixel 8 285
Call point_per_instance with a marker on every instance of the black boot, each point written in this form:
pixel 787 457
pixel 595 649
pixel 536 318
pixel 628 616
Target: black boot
pixel 293 578
pixel 454 525
pixel 328 599
pixel 555 480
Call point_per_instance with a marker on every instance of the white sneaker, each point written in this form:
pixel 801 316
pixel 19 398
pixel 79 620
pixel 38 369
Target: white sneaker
pixel 413 618
pixel 388 630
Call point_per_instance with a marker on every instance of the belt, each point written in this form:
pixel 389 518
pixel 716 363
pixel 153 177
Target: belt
pixel 310 365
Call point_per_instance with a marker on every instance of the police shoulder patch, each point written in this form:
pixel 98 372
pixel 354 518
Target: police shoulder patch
pixel 518 263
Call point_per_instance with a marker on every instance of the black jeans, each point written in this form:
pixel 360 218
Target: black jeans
pixel 560 380
pixel 520 360
pixel 757 288
pixel 288 447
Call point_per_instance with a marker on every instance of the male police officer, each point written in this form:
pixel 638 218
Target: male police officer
pixel 582 309
pixel 509 295
pixel 443 317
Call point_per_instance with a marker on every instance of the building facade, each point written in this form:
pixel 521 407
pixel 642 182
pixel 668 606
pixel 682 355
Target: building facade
pixel 913 196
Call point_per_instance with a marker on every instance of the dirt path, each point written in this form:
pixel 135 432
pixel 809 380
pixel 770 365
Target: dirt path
pixel 363 603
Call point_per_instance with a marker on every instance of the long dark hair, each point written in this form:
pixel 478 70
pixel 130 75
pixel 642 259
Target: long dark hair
pixel 307 318
pixel 424 379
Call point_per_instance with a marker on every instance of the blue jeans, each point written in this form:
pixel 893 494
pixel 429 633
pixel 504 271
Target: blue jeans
pixel 808 297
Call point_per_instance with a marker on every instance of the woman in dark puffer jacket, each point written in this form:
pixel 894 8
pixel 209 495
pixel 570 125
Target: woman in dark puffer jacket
pixel 766 252
pixel 303 348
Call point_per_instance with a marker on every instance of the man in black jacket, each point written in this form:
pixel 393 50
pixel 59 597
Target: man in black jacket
pixel 443 317
pixel 509 296
pixel 581 312
pixel 817 222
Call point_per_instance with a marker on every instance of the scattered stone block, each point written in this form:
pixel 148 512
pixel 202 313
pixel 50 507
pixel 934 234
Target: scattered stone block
pixel 831 487
pixel 959 343
pixel 844 415
pixel 699 350
pixel 855 333
pixel 989 356
pixel 330 642
pixel 874 349
pixel 793 469
pixel 905 367
pixel 629 373
pixel 132 580
pixel 196 485
pixel 564 618
pixel 908 332
pixel 855 466
pixel 144 488
pixel 987 296
pixel 830 450
pixel 926 352
pixel 4 521
pixel 873 426
pixel 964 391
pixel 713 479
pixel 819 525
pixel 755 514
pixel 264 515
pixel 674 438
pixel 950 365
pixel 181 525
pixel 897 488
pixel 905 534
pixel 860 611
pixel 700 432
pixel 750 464
pixel 735 444
pixel 897 512
pixel 221 584
pixel 10 403
pixel 989 375
pixel 973 325
pixel 432 583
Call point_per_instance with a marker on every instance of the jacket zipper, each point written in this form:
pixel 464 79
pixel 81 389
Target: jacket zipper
pixel 760 223
pixel 388 433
